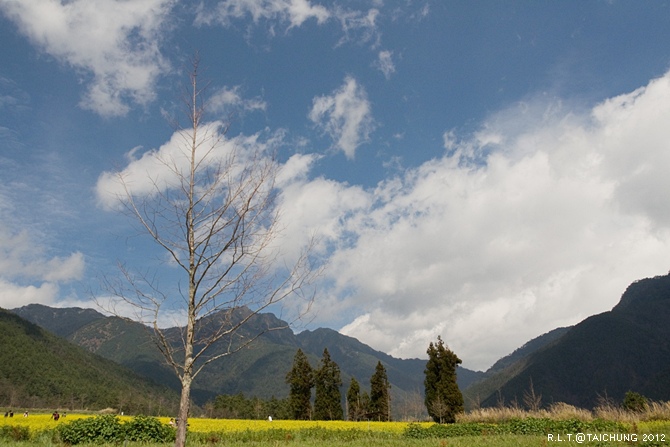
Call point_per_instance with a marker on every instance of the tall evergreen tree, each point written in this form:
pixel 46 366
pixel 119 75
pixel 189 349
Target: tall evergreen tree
pixel 354 404
pixel 443 398
pixel 380 394
pixel 328 399
pixel 301 381
pixel 365 405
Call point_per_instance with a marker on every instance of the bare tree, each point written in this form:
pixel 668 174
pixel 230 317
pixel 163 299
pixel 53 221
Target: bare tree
pixel 212 209
pixel 440 408
pixel 531 399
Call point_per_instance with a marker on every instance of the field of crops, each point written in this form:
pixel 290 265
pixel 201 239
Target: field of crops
pixel 252 433
pixel 42 422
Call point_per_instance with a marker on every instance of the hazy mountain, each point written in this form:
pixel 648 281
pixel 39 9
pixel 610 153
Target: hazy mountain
pixel 39 369
pixel 258 370
pixel 606 355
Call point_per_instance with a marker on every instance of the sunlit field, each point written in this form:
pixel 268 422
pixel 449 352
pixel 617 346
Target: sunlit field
pixel 41 422
pixel 218 425
pixel 251 433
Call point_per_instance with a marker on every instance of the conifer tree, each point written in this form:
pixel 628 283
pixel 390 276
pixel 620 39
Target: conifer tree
pixel 443 398
pixel 365 405
pixel 354 404
pixel 380 395
pixel 301 381
pixel 328 399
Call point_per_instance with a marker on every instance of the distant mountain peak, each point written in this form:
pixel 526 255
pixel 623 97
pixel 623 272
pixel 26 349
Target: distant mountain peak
pixel 644 291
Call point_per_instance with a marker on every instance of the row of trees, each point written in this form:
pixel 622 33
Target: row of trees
pixel 326 379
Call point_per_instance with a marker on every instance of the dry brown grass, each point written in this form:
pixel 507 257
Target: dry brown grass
pixel 656 411
pixel 559 411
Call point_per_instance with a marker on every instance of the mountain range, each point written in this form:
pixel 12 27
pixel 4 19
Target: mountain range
pixel 602 357
pixel 259 370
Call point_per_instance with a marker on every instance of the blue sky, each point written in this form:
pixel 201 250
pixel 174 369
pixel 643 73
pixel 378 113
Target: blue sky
pixel 484 171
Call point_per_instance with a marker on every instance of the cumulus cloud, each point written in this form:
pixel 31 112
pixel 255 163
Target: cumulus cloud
pixel 13 295
pixel 28 274
pixel 538 220
pixel 345 115
pixel 114 43
pixel 158 170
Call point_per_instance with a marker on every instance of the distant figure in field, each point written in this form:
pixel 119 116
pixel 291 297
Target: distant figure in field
pixel 55 416
pixel 11 413
pixel 269 418
pixel 25 414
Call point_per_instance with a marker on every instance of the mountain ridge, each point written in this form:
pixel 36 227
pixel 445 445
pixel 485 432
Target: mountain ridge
pixel 258 370
pixel 603 356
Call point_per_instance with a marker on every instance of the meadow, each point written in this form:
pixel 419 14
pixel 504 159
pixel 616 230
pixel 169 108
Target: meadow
pixel 492 427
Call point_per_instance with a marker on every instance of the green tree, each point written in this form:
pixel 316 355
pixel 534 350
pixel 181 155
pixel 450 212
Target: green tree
pixel 355 410
pixel 301 380
pixel 635 402
pixel 443 398
pixel 328 399
pixel 380 394
pixel 365 405
pixel 278 408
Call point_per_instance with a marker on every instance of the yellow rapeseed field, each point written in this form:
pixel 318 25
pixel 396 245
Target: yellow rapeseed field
pixel 216 425
pixel 39 422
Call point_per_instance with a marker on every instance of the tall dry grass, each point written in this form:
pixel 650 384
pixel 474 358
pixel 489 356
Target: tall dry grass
pixel 655 411
pixel 557 411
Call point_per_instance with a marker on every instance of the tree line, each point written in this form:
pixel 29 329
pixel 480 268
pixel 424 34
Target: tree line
pixel 315 393
pixel 326 382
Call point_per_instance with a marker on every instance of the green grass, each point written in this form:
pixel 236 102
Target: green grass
pixel 467 441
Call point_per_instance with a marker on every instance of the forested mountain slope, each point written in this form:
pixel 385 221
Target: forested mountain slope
pixel 38 369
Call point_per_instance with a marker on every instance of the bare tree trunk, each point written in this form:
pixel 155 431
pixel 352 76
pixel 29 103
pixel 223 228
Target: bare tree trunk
pixel 184 406
pixel 186 380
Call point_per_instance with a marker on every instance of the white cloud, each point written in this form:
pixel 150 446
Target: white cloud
pixel 295 169
pixel 13 295
pixel 228 99
pixel 385 63
pixel 161 169
pixel 322 208
pixel 357 25
pixel 113 42
pixel 345 115
pixel 490 247
pixel 22 258
pixel 295 12
pixel 360 26
pixel 28 274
